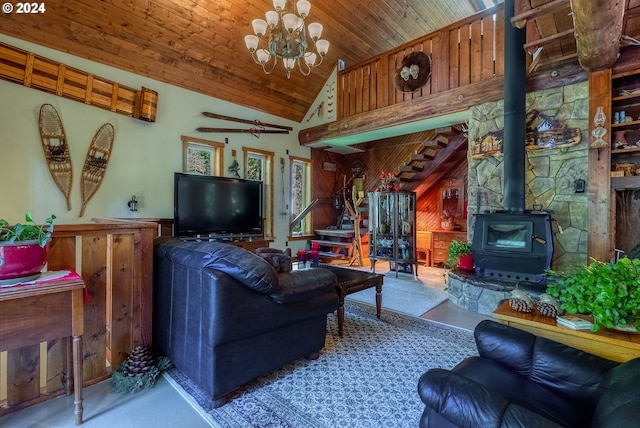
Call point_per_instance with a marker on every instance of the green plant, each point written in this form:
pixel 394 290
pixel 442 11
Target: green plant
pixel 455 250
pixel 27 232
pixel 610 292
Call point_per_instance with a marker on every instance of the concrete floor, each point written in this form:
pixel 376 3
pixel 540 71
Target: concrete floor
pixel 161 406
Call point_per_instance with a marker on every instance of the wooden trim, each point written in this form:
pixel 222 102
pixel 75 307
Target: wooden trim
pixel 602 228
pixel 218 168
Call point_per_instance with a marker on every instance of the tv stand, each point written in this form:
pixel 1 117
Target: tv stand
pixel 249 243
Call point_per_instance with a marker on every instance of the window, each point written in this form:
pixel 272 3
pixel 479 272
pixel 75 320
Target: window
pixel 258 165
pixel 202 157
pixel 300 197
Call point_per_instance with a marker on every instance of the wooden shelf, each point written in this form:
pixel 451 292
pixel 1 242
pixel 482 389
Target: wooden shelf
pixel 625 97
pixel 625 183
pixel 611 344
pixel 620 151
pixel 622 125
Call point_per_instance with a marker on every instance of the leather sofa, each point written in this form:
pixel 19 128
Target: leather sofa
pixel 521 380
pixel 224 316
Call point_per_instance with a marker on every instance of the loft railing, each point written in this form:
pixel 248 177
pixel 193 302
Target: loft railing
pixel 466 52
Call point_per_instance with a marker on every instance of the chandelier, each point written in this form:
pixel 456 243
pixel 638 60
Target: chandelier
pixel 287 38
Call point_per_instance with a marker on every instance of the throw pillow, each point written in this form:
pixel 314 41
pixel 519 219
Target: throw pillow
pixel 280 260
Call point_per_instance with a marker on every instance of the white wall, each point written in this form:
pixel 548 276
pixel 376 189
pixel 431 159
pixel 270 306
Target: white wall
pixel 144 155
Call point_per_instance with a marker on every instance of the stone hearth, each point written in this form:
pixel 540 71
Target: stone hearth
pixel 483 295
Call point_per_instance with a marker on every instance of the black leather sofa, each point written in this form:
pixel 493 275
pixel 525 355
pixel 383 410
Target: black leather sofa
pixel 224 316
pixel 521 380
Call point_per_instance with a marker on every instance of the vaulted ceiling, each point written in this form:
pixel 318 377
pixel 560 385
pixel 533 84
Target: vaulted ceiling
pixel 199 44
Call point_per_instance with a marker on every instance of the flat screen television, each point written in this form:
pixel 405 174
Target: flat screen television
pixel 216 206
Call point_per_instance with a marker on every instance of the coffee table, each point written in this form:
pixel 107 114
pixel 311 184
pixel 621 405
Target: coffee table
pixel 351 281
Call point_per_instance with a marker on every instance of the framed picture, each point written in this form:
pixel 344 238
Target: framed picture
pixel 201 157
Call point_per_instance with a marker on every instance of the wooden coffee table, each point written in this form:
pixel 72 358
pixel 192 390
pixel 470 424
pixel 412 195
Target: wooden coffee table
pixel 611 344
pixel 351 281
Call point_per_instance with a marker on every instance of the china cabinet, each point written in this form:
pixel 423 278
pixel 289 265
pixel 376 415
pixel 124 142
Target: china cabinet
pixel 392 231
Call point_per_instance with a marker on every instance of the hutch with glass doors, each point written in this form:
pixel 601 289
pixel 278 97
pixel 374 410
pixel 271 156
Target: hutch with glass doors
pixel 392 230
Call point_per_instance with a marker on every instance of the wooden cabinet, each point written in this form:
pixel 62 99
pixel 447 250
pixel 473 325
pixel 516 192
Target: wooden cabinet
pixel 392 229
pixel 625 130
pixel 440 240
pixel 251 244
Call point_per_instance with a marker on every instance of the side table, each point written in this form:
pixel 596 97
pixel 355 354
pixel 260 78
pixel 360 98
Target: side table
pixel 611 344
pixel 43 311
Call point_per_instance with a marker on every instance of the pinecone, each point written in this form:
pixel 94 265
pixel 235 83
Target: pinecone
pixel 139 361
pixel 548 306
pixel 519 305
pixel 520 301
pixel 547 310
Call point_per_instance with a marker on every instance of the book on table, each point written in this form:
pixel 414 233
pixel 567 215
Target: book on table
pixel 574 322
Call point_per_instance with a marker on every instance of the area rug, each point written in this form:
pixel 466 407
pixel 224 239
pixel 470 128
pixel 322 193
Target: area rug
pixel 367 378
pixel 406 294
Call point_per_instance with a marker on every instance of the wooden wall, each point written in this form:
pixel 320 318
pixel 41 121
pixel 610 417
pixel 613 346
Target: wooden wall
pixel 387 155
pixel 325 182
pixel 115 262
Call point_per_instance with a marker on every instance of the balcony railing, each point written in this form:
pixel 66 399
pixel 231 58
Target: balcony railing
pixel 466 52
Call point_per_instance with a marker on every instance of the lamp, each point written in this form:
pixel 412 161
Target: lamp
pixel 287 38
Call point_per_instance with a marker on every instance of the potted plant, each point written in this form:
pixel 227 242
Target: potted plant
pixel 23 248
pixel 609 292
pixel 460 255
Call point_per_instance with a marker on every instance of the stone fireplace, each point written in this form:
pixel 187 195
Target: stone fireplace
pixel 527 210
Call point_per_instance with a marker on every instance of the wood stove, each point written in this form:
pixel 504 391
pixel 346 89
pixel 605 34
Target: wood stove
pixel 513 246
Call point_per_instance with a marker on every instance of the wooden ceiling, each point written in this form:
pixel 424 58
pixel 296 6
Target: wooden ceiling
pixel 199 44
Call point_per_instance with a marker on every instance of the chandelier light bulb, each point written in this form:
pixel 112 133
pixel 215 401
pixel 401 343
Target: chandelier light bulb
pixel 279 4
pixel 259 27
pixel 323 47
pixel 290 22
pixel 303 7
pixel 315 31
pixel 263 56
pixel 310 59
pixel 272 18
pixel 252 42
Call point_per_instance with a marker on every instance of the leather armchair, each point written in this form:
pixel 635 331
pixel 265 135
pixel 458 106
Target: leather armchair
pixel 224 316
pixel 521 380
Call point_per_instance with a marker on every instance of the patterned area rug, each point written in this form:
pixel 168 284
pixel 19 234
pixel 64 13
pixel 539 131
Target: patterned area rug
pixel 368 378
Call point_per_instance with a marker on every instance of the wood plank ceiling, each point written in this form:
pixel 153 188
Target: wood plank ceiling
pixel 199 44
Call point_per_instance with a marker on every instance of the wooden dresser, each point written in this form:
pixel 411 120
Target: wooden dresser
pixel 440 240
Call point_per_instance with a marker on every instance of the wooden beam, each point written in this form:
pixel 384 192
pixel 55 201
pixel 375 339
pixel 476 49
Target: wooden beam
pixel 601 233
pixel 598 27
pixel 440 104
pixel 547 40
pixel 519 21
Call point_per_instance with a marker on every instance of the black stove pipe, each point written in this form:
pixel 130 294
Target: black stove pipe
pixel 515 81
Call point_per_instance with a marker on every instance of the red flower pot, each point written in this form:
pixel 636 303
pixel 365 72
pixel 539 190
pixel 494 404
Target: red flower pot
pixel 465 262
pixel 23 259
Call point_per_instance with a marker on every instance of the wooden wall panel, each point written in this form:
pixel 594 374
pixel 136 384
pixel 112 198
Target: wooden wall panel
pixel 324 184
pixel 94 273
pixel 120 322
